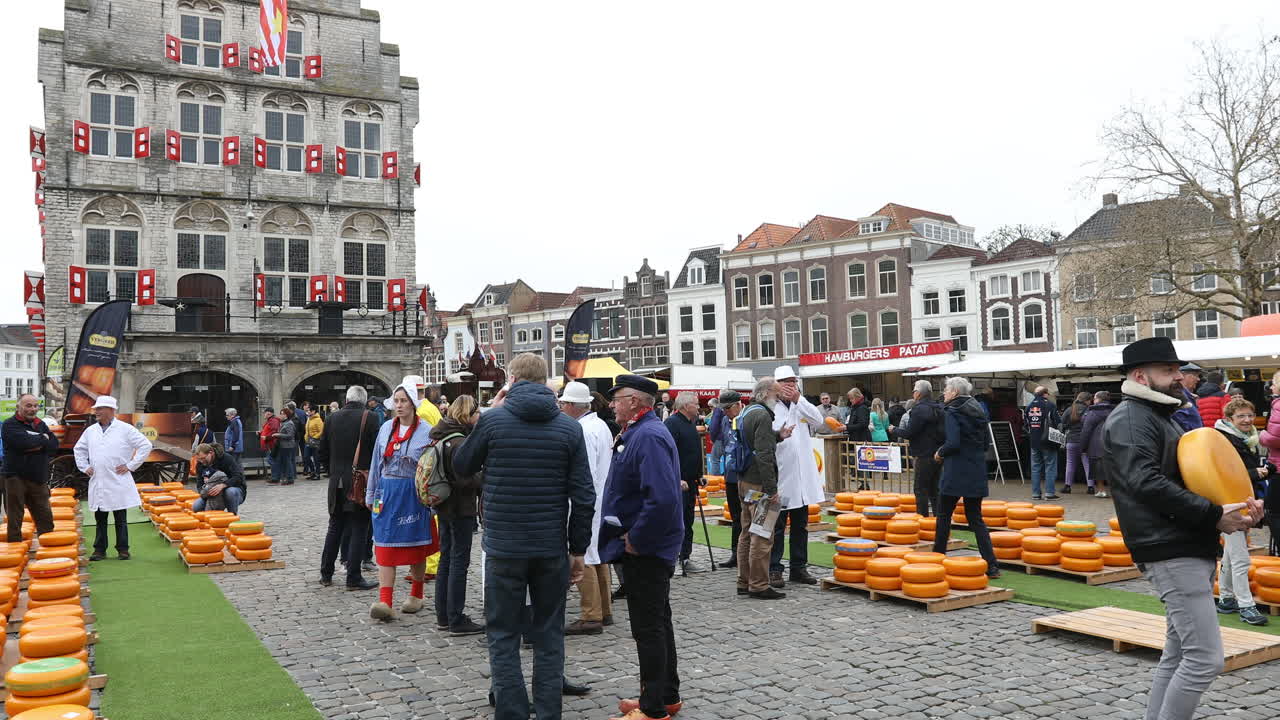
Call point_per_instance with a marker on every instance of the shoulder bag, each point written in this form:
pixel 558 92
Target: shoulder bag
pixel 359 478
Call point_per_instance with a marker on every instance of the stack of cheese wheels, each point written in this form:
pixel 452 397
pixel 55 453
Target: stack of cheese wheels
pixel 924 579
pixel 51 681
pixel 966 573
pixel 863 500
pixel 60 590
pixel 958 517
pixel 815 514
pixel 885 573
pixel 928 528
pixel 1041 550
pixel 725 513
pixel 57 712
pixel 715 483
pixel 219 520
pixel 1021 516
pixel 1114 552
pixel 1114 524
pixel 851 559
pixel 14 555
pixel 1267 578
pixel 186 498
pixel 903 530
pixel 201 547
pixel 849 525
pixel 59 544
pixel 1007 545
pixel 1049 515
pixel 875 519
pixel 1081 555
pixel 995 513
pixel 176 525
pixel 702 495
pixel 246 541
pixel 1076 529
pixel 59 640
pixel 844 501
pixel 8 596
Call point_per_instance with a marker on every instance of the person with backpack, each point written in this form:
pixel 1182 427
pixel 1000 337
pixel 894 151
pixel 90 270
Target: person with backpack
pixel 1041 415
pixel 755 460
pixel 925 432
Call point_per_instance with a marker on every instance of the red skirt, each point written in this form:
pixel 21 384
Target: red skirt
pixel 396 556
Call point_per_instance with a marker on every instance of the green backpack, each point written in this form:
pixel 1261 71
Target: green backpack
pixel 430 480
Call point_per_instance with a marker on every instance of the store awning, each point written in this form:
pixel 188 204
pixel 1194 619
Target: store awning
pixel 873 367
pixel 606 368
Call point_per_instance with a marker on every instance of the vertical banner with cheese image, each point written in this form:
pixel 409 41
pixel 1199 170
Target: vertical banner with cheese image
pixel 94 373
pixel 577 341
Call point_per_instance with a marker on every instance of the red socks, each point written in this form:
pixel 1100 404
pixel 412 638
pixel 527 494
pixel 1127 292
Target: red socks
pixel 384 595
pixel 416 589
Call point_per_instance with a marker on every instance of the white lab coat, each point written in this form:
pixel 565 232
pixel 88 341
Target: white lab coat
pixel 105 450
pixel 798 478
pixel 599 455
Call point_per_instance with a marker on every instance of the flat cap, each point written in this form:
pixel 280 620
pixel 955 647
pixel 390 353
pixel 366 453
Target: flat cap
pixel 635 382
pixel 730 396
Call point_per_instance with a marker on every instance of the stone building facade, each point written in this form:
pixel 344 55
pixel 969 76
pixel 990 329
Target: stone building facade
pixel 695 310
pixel 645 299
pixel 206 226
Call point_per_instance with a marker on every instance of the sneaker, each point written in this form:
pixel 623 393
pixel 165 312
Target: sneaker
pixel 124 554
pixel 767 594
pixel 442 625
pixel 1051 497
pixel 1252 616
pixel 689 567
pixel 97 556
pixel 326 580
pixel 1226 606
pixel 1036 497
pixel 1066 489
pixel 466 627
pixel 584 627
pixel 1091 490
pixel 993 572
pixel 1102 495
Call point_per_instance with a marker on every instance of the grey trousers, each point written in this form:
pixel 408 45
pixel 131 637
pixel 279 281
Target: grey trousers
pixel 1192 655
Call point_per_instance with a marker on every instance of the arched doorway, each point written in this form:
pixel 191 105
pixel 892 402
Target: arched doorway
pixel 201 304
pixel 332 385
pixel 211 391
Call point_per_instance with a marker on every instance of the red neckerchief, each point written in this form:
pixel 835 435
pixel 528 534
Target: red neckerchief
pixel 643 411
pixel 396 439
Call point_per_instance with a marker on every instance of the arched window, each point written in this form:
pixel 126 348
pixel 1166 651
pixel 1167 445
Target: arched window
pixel 200 122
pixel 819 338
pixel 764 290
pixel 817 286
pixel 362 140
pixel 286 256
pixel 741 293
pixel 293 50
pixel 1033 322
pixel 889 327
pixel 1001 324
pixel 285 130
pixel 200 28
pixel 201 240
pixel 557 361
pixel 112 246
pixel 113 112
pixel 858 335
pixel 768 340
pixel 365 237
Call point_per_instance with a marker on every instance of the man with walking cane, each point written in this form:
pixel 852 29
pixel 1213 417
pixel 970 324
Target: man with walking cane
pixel 689 447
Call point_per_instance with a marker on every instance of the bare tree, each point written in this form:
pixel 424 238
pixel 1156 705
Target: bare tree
pixel 1002 236
pixel 1207 239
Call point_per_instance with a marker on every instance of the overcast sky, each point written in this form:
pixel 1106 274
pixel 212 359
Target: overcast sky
pixel 563 142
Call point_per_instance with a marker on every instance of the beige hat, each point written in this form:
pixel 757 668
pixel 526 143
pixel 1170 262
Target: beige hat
pixel 575 392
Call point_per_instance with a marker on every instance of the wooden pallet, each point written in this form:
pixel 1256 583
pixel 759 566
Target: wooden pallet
pixel 231 564
pixel 1129 629
pixel 1101 577
pixel 953 600
pixel 811 527
pixel 922 546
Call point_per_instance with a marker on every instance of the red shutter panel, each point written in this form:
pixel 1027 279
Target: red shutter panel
pixel 319 288
pixel 231 55
pixel 259 152
pixel 231 150
pixel 35 139
pixel 395 294
pixel 260 290
pixel 417 174
pixel 312 67
pixel 39 198
pixel 173 48
pixel 142 142
pixel 422 298
pixel 255 60
pixel 315 158
pixel 173 145
pixel 80 137
pixel 75 285
pixel 390 165
pixel 146 287
pixel 340 153
pixel 38 164
pixel 39 180
pixel 339 288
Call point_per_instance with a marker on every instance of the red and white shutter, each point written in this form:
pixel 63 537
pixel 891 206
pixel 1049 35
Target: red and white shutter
pixel 39 198
pixel 76 284
pixel 312 67
pixel 340 153
pixel 39 180
pixel 38 164
pixel 390 165
pixel 231 55
pixel 315 158
pixel 146 287
pixel 260 290
pixel 319 288
pixel 339 288
pixel 255 60
pixel 173 48
pixel 231 150
pixel 259 152
pixel 80 137
pixel 417 174
pixel 173 145
pixel 35 137
pixel 395 294
pixel 33 292
pixel 142 142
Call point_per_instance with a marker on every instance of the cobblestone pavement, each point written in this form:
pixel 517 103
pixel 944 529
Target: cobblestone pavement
pixel 813 655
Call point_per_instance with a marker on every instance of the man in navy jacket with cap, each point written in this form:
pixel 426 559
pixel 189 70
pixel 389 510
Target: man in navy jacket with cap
pixel 642 528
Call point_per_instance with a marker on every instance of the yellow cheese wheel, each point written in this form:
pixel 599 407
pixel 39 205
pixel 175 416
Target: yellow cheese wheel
pixel 222 521
pixel 903 526
pixel 46 677
pixel 161 499
pixel 1211 467
pixel 851 562
pixel 50 588
pixel 885 567
pixel 202 558
pixel 967 582
pixel 1008 553
pixel 1032 557
pixel 1021 524
pixel 1082 564
pixel 927 535
pixel 996 520
pixel 251 555
pixel 62 491
pixel 888 500
pixel 1267 576
pixel 815 519
pixel 923 556
pixel 966 565
pixel 167 509
pixel 7 591
pixel 877 535
pixel 847 531
pixel 849 520
pixel 1081 549
pixel 929 523
pixel 63 501
pixel 244 527
pixel 183 522
pixel 902 538
pixel 927 589
pixel 892 552
pixel 922 572
pixel 850 576
pixel 53 642
pixel 12 559
pixel 1022 513
pixel 1117 559
pixel 66 551
pixel 845 497
pixel 58 712
pixel 1006 539
pixel 202 545
pixel 881 582
pixel 874 523
pixel 82 654
pixel 59 538
pixel 1111 544
pixel 17 704
pixel 252 542
pixel 29 626
pixel 68 600
pixel 51 568
pixel 1039 531
pixel 845 507
pixel 1050 511
pixel 1114 523
pixel 1077 528
pixel 1268 594
pixel 63 513
pixel 1041 544
pixel 54 611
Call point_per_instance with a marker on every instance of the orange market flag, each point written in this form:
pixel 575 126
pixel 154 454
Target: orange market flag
pixel 273 18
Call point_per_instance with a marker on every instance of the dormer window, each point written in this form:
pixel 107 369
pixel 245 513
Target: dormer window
pixel 646 285
pixel 697 274
pixel 488 298
pixel 871 227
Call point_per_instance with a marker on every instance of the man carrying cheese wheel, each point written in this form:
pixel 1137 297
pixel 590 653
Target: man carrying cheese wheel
pixel 1171 532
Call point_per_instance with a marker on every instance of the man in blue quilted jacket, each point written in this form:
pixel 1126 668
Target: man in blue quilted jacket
pixel 538 503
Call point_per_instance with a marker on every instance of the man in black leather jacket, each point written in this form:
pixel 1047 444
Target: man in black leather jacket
pixel 1171 532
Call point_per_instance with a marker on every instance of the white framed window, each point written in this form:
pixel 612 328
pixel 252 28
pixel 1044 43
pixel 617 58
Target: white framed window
pixel 741 293
pixel 662 320
pixel 686 352
pixel 1001 325
pixel 646 285
pixel 112 119
pixel 1084 287
pixel 1269 307
pixel 1124 329
pixel 636 356
pixel 791 343
pixel 489 298
pixel 768 340
pixel 293 54
pixel 932 303
pixel 482 330
pixel 499 330
pixel 817 286
pixel 650 316
pixel 535 335
pixel 889 334
pixel 686 319
pixel 857 275
pixel 1086 332
pixel 709 316
pixel 887 276
pixel 111 262
pixel 201 128
pixel 956 301
pixel 859 337
pixel 959 337
pixel 742 341
pixel 871 227
pixel 1033 322
pixel 1162 284
pixel 365 263
pixel 819 337
pixel 8 360
pixel 502 359
pixel 998 286
pixel 1030 282
pixel 1271 276
pixel 709 352
pixel 362 140
pixel 764 290
pixel 697 274
pixel 202 251
pixel 790 287
pixel 522 337
pixel 286 261
pixel 932 333
pixel 633 320
pixel 1164 324
pixel 286 137
pixel 201 40
pixel 1206 324
pixel 1203 280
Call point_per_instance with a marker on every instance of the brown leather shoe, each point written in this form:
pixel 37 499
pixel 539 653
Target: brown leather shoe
pixel 584 627
pixel 775 580
pixel 632 705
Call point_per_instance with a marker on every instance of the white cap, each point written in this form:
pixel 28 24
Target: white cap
pixel 576 392
pixel 413 381
pixel 784 372
pixel 106 401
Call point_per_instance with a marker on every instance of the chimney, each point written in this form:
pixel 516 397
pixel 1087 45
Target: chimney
pixel 1110 200
pixel 739 237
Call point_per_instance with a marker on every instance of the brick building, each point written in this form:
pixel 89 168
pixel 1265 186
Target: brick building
pixel 645 299
pixel 1016 291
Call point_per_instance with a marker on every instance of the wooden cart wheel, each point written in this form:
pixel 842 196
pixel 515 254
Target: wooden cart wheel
pixel 148 474
pixel 64 473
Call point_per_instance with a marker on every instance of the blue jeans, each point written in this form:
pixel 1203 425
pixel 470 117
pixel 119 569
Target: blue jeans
pixel 288 464
pixel 1044 464
pixel 310 461
pixel 233 496
pixel 451 576
pixel 717 453
pixel 506 581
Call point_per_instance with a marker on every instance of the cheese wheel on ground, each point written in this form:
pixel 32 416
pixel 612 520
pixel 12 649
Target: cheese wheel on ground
pixel 929 523
pixel 1211 467
pixel 68 600
pixel 1006 539
pixel 965 565
pixel 50 588
pixel 66 551
pixel 849 520
pixel 1041 544
pixel 1082 549
pixel 877 535
pixel 51 568
pixel 892 552
pixel 902 538
pixel 46 677
pixel 251 555
pixel 885 567
pixel 879 512
pixel 922 556
pixel 1117 559
pixel 922 572
pixel 1082 564
pixel 856 547
pixel 1077 528
pixel 967 582
pixel 1022 513
pixel 849 532
pixel 202 545
pixel 59 538
pixel 850 576
pixel 926 590
pixel 881 582
pixel 1031 557
pixel 874 523
pixel 53 642
pixel 851 562
pixel 57 712
pixel 846 497
pixel 908 515
pixel 1267 576
pixel 29 626
pixel 17 704
pixel 202 558
pixel 1007 553
pixel 54 611
pixel 902 526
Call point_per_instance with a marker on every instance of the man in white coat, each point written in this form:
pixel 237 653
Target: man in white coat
pixel 108 451
pixel 597 611
pixel 799 483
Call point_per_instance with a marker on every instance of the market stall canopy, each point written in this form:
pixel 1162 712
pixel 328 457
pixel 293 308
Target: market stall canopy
pixel 871 367
pixel 608 368
pixel 1218 352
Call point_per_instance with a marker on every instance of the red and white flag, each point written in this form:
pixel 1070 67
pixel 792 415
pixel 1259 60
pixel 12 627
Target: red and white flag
pixel 273 17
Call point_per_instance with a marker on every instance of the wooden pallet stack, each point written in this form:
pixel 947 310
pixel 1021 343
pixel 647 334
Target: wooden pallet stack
pixel 932 579
pixel 1071 548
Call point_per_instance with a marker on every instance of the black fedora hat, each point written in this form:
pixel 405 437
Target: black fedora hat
pixel 1149 350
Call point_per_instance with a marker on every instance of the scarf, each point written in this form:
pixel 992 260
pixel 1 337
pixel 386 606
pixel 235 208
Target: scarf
pixel 396 440
pixel 1250 439
pixel 1142 392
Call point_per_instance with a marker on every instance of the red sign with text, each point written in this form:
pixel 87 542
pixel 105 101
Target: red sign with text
pixel 884 352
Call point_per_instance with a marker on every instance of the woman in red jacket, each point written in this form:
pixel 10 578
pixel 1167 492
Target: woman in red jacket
pixel 1211 401
pixel 267 441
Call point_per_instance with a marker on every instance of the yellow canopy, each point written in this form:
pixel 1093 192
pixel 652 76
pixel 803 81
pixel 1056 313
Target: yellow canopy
pixel 608 368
